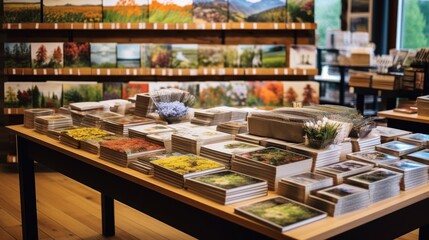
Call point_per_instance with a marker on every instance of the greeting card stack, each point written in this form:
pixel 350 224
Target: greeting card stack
pixel 143 165
pixel 340 199
pixel 223 152
pixel 31 114
pixel 73 137
pixel 365 144
pixel 93 145
pixel 415 173
pixel 271 164
pixel 389 134
pixel 397 148
pixel 175 169
pixel 211 117
pixel 423 105
pixel 374 157
pixel 298 187
pixel 415 138
pixel 339 171
pixel 280 213
pixel 94 119
pixel 163 139
pixel 420 156
pixel 144 105
pixel 381 183
pixel 246 137
pixel 56 133
pixel 78 110
pixel 120 126
pixel 191 141
pixel 147 129
pixel 44 123
pixel 123 151
pixel 321 157
pixel 227 186
pixel 232 127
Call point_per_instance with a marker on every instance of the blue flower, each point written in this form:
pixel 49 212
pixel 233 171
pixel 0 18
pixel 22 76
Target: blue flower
pixel 172 110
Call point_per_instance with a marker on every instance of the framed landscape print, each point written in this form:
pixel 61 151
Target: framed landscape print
pixel 305 92
pixel 82 92
pixel 103 55
pixel 17 55
pixel 170 11
pixel 22 11
pixel 47 55
pixel 257 11
pixel 125 11
pixel 128 55
pixel 208 11
pixel 77 54
pixel 55 11
pixel 47 94
pixel 18 95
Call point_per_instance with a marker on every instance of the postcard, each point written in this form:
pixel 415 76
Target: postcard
pixel 304 92
pixel 273 156
pixel 47 94
pixel 47 55
pixel 131 89
pixel 406 165
pixel 161 55
pixel 273 56
pixel 257 11
pixel 280 213
pixel 131 119
pixel 17 55
pixel 18 95
pixel 103 55
pixel 184 56
pixel 300 11
pixel 397 146
pixel 145 55
pixel 170 11
pixel 210 55
pixel 250 56
pixel 187 164
pixel 302 56
pixel 343 167
pixel 307 178
pixel 77 54
pixel 227 180
pixel 209 11
pixel 375 176
pixel 22 11
pixel 82 92
pixel 416 137
pixel 232 147
pixel 55 11
pixel 231 56
pixel 340 192
pixel 151 129
pixel 265 93
pixel 422 155
pixel 125 11
pixel 130 145
pixel 200 134
pixel 128 55
pixel 112 90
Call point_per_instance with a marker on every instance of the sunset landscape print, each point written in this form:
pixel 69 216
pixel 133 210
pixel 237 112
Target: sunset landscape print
pixel 170 11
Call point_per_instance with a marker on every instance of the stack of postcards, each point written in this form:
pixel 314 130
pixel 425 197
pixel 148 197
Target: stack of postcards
pixel 298 187
pixel 420 156
pixel 123 151
pixel 163 139
pixel 321 157
pixel 175 169
pixel 423 105
pixel 415 173
pixel 73 137
pixel 78 110
pixel 365 144
pixel 272 142
pixel 143 165
pixel 223 152
pixel 232 127
pixel 280 213
pixel 227 186
pixel 191 141
pixel 340 199
pixel 144 105
pixel 120 126
pixel 93 145
pixel 415 138
pixel 271 164
pixel 211 117
pixel 388 134
pixel 381 183
pixel 56 133
pixel 94 119
pixel 397 148
pixel 374 157
pixel 346 148
pixel 246 137
pixel 339 171
pixel 44 123
pixel 31 114
pixel 144 130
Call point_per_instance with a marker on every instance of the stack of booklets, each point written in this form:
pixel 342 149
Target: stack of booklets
pixel 232 127
pixel 56 133
pixel 44 123
pixel 397 148
pixel 340 199
pixel 420 156
pixel 415 173
pixel 385 82
pixel 374 157
pixel 388 134
pixel 381 183
pixel 144 105
pixel 280 213
pixel 298 187
pixel 175 169
pixel 346 148
pixel 163 139
pixel 365 144
pixel 271 164
pixel 120 126
pixel 143 165
pixel 78 110
pixel 226 187
pixel 73 137
pixel 360 79
pixel 93 145
pixel 31 114
pixel 423 106
pixel 246 137
pixel 94 119
pixel 415 138
pixel 223 152
pixel 123 151
pixel 321 157
pixel 147 129
pixel 339 171
pixel 211 117
pixel 272 142
pixel 191 141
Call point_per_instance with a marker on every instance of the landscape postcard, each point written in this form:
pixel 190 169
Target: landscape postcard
pixel 307 178
pixel 250 56
pixel 300 10
pixel 210 55
pixel 128 55
pixel 227 180
pixel 274 156
pixel 374 176
pixel 257 10
pixel 406 165
pixel 112 90
pixel 235 93
pixel 340 191
pixel 130 89
pixel 170 11
pixel 305 92
pixel 233 147
pixel 343 167
pixel 265 93
pixel 302 56
pixel 47 94
pixel 211 94
pixel 17 55
pixel 126 11
pixel 71 11
pixel 22 11
pixel 18 95
pixel 103 55
pixel 184 56
pixel 209 11
pixel 145 57
pixel 47 55
pixel 273 56
pixel 77 54
pixel 231 56
pixel 161 55
pixel 82 92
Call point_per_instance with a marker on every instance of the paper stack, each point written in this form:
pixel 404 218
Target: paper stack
pixel 415 173
pixel 143 165
pixel 31 114
pixel 191 141
pixel 73 137
pixel 321 157
pixel 50 122
pixel 397 148
pixel 388 134
pixel 143 130
pixel 339 171
pixel 120 126
pixel 374 157
pixel 94 119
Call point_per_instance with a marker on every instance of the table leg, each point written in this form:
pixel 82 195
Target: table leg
pixel 27 190
pixel 424 232
pixel 107 215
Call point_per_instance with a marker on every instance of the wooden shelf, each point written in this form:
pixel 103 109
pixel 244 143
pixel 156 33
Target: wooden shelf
pixel 159 72
pixel 160 26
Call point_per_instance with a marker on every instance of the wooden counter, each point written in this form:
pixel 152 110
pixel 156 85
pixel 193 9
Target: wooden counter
pixel 410 122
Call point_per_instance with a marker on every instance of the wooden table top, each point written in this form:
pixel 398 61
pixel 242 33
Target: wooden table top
pixel 404 116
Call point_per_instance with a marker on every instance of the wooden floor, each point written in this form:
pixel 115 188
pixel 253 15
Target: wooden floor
pixel 70 210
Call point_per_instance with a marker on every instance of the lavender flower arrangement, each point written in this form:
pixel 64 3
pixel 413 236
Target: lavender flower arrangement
pixel 172 111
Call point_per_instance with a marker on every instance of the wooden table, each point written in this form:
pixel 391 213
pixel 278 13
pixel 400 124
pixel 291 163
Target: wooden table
pixel 410 122
pixel 191 213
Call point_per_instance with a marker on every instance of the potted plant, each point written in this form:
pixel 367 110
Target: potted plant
pixel 320 134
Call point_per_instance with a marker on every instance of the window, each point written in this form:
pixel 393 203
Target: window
pixel 413 24
pixel 327 16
